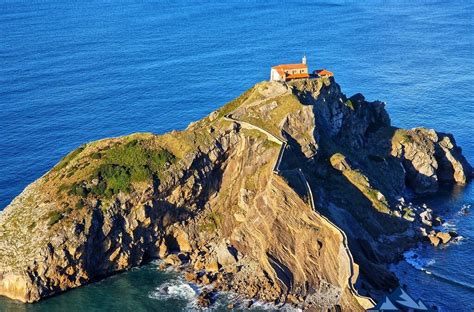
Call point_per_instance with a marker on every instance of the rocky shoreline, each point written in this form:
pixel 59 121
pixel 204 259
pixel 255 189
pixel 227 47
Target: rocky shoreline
pixel 208 198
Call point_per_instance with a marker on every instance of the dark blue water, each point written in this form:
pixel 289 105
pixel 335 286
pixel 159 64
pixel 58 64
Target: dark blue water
pixel 75 72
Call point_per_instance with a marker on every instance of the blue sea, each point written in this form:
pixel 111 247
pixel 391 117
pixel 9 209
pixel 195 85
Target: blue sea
pixel 76 71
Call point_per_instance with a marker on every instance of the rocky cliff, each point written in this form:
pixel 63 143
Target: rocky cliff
pixel 307 221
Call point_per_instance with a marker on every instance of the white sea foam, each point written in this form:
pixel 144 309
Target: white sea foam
pixel 176 289
pixel 465 210
pixel 415 260
pixel 180 289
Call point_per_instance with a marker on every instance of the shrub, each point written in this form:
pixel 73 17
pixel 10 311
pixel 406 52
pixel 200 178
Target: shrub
pixel 99 189
pixel 159 159
pixel 54 218
pixel 123 164
pixel 78 190
pixel 79 204
pixel 96 155
pixel 349 104
pixel 114 178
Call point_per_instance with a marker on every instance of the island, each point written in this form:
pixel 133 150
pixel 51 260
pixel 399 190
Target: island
pixel 292 193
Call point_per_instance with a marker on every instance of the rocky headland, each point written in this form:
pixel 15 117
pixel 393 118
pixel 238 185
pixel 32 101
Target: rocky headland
pixel 291 193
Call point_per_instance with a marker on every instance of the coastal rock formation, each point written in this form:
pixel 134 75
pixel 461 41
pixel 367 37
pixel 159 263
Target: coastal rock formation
pixel 430 157
pixel 306 222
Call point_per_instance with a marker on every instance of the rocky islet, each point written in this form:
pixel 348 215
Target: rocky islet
pixel 208 197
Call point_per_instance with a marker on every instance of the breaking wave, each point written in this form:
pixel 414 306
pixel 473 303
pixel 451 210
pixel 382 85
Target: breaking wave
pixel 182 290
pixel 177 289
pixel 416 261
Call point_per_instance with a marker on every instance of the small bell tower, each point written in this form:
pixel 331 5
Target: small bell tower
pixel 303 60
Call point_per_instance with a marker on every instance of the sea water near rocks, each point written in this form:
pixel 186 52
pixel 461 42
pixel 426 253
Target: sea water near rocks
pixel 72 72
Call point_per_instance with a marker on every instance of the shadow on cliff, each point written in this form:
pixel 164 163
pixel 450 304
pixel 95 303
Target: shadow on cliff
pixel 325 180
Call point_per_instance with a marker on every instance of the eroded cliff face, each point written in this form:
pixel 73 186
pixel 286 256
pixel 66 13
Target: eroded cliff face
pixel 209 197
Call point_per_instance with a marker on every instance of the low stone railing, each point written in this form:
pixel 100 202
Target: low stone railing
pixel 364 301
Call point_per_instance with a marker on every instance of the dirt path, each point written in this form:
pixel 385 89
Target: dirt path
pixel 365 302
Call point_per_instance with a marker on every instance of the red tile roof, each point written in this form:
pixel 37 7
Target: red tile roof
pixel 324 72
pixel 281 69
pixel 290 66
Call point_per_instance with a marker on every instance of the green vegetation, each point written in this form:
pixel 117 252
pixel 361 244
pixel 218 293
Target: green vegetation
pixel 66 160
pixel 250 183
pixel 213 220
pixel 79 204
pixel 270 144
pixel 96 155
pixel 286 105
pixel 54 218
pixel 349 104
pixel 78 190
pixel 232 105
pixel 402 136
pixel 122 165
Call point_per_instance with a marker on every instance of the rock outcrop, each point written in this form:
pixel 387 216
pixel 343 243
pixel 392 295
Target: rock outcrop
pixel 209 198
pixel 430 157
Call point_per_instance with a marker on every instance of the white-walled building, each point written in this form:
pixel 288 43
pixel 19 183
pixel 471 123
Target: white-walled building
pixel 285 72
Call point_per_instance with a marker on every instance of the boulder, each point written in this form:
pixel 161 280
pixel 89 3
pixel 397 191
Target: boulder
pixel 163 250
pixel 182 240
pixel 204 300
pixel 340 162
pixel 437 221
pixel 191 277
pixel 212 266
pixel 226 255
pixel 434 240
pixel 173 259
pixel 426 217
pixel 444 237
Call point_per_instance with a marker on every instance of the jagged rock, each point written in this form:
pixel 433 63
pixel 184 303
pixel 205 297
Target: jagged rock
pixel 226 255
pixel 211 190
pixel 426 217
pixel 212 266
pixel 173 259
pixel 163 250
pixel 437 221
pixel 191 277
pixel 453 234
pixel 423 232
pixel 428 157
pixel 445 237
pixel 435 240
pixel 340 162
pixel 204 299
pixel 181 240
